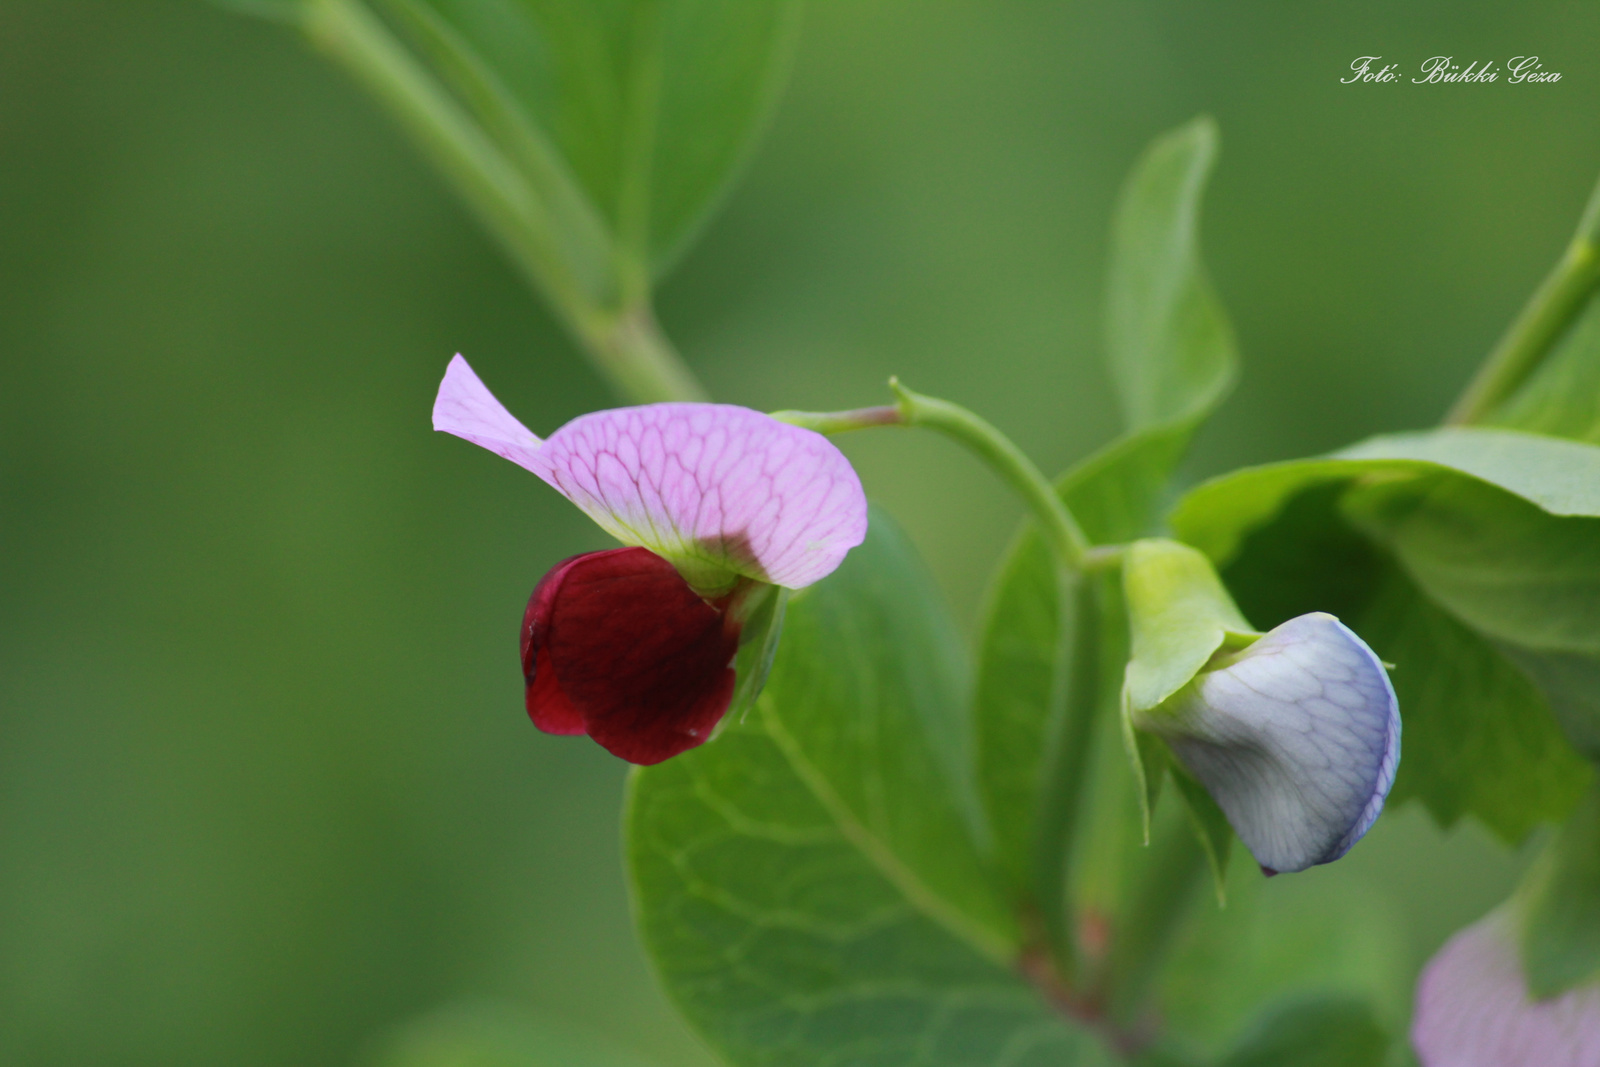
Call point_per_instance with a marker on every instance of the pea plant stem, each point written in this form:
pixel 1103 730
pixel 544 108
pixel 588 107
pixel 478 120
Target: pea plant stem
pixel 1534 333
pixel 501 165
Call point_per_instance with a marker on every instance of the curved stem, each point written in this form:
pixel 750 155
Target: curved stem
pixel 1066 537
pixel 1534 332
pixel 842 421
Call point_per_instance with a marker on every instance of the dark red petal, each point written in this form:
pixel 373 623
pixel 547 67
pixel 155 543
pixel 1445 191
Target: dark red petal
pixel 548 706
pixel 619 640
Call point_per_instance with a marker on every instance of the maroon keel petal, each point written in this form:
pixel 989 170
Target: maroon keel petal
pixel 616 645
pixel 548 706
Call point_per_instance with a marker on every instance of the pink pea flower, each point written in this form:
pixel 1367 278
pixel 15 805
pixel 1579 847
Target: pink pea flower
pixel 635 646
pixel 1473 1007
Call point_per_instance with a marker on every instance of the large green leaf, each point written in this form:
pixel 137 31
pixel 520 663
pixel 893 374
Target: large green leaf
pixel 808 884
pixel 1480 738
pixel 1560 905
pixel 787 942
pixel 1169 343
pixel 1524 578
pixel 1283 532
pixel 868 698
pixel 1561 477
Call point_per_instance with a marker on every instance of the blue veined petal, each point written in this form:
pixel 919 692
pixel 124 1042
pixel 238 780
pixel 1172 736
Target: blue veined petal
pixel 1297 739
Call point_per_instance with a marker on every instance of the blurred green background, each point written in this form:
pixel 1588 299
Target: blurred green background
pixel 266 787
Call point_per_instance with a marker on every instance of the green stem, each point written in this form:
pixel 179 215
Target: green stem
pixel 842 421
pixel 1061 807
pixel 639 359
pixel 1146 931
pixel 526 208
pixel 1061 530
pixel 1066 539
pixel 1534 332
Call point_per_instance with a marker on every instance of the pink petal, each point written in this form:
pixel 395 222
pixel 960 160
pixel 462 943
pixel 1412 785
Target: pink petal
pixel 466 408
pixel 1473 1008
pixel 709 484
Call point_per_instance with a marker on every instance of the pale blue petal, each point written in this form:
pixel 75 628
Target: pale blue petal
pixel 1297 740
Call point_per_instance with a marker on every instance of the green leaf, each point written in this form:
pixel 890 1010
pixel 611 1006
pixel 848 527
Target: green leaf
pixel 1560 906
pixel 868 699
pixel 1480 739
pixel 1281 939
pixel 1020 700
pixel 650 105
pixel 1052 649
pixel 1210 825
pixel 1321 1032
pixel 785 943
pixel 1561 477
pixel 491 1036
pixel 1524 578
pixel 1170 346
pixel 758 647
pixel 808 884
pixel 1179 615
pixel 1563 396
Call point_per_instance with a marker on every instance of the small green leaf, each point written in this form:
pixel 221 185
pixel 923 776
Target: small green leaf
pixel 1480 739
pixel 758 646
pixel 1179 615
pixel 1560 906
pixel 1119 492
pixel 1320 1032
pixel 1210 824
pixel 1030 638
pixel 1170 346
